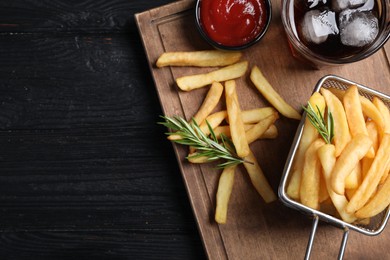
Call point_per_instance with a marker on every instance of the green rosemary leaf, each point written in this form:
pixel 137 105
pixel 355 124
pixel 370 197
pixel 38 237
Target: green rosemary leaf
pixel 192 135
pixel 325 129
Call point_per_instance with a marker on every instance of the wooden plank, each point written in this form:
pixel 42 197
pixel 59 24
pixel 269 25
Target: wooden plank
pixel 254 229
pixel 64 16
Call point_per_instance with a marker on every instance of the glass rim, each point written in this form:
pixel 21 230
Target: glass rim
pixel 378 43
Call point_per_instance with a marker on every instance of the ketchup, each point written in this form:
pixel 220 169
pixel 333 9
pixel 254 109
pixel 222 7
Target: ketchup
pixel 233 22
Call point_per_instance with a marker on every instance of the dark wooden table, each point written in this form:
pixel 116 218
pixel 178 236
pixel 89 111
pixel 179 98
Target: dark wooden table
pixel 85 171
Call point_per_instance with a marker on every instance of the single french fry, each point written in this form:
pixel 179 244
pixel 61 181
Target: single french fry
pixel 354 113
pixel 270 133
pixel 339 93
pixel 213 120
pixel 207 58
pixel 237 129
pixel 260 128
pixel 370 110
pixel 326 155
pixel 323 194
pixel 372 131
pixel 384 110
pixel 271 95
pixel 310 182
pixel 225 187
pixel 354 179
pixel 341 130
pixel 258 178
pixel 188 83
pixel 355 150
pixel 254 116
pixel 194 158
pixel 378 202
pixel 309 134
pixel 210 102
pixel 372 179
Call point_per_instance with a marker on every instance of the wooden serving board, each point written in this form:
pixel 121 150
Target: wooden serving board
pixel 254 230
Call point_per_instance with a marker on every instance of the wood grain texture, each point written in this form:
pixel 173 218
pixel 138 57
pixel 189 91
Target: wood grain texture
pixel 86 173
pixel 254 230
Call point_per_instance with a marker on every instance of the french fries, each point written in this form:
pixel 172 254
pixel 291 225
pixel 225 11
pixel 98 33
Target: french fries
pixel 237 129
pixel 210 102
pixel 207 58
pixel 258 178
pixel 354 113
pixel 309 134
pixel 255 115
pixel 355 150
pixel 187 83
pixel 260 128
pixel 378 203
pixel 225 187
pixel 326 155
pixel 354 167
pixel 271 95
pixel 342 135
pixel 311 174
pixel 371 181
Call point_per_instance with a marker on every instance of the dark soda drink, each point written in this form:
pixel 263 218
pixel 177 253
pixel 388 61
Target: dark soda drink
pixel 336 28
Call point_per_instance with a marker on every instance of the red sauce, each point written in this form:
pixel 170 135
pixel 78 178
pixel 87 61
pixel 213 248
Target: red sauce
pixel 233 22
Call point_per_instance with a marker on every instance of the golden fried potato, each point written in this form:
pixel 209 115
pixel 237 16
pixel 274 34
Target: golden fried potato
pixel 188 83
pixel 342 135
pixel 225 187
pixel 237 129
pixel 207 58
pixel 271 95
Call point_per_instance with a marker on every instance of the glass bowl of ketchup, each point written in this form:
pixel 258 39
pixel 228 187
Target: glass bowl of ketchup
pixel 233 24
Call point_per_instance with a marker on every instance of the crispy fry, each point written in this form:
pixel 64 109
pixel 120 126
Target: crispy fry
pixel 194 158
pixel 254 116
pixel 225 187
pixel 378 202
pixel 309 134
pixel 384 110
pixel 354 179
pixel 210 102
pixel 370 110
pixel 191 82
pixel 214 120
pixel 341 130
pixel 339 93
pixel 271 95
pixel 371 180
pixel 310 182
pixel 270 133
pixel 326 154
pixel 354 113
pixel 355 150
pixel 258 178
pixel 237 129
pixel 207 58
pixel 260 128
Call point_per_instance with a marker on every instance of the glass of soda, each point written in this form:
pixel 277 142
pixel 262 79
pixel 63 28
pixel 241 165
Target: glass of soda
pixel 335 32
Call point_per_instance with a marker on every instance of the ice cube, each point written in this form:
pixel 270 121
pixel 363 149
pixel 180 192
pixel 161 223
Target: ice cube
pixel 339 5
pixel 317 25
pixel 357 28
pixel 314 3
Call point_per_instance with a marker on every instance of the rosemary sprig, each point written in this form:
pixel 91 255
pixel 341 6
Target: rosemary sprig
pixel 325 129
pixel 192 135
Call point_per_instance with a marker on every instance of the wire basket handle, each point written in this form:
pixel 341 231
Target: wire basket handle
pixel 313 233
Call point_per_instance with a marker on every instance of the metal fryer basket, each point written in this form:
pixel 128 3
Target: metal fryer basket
pixel 377 223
